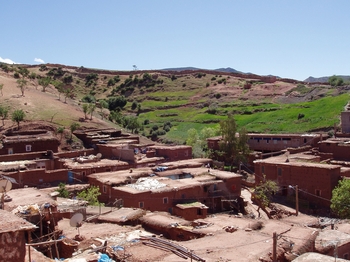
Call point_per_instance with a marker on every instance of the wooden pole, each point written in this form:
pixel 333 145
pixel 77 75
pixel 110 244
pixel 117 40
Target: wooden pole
pixel 274 248
pixel 296 200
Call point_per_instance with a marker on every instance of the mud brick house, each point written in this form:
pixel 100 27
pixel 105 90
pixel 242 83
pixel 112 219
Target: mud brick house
pixel 81 167
pixel 13 231
pixel 163 193
pixel 345 119
pixel 330 242
pixel 170 153
pixel 315 180
pixel 106 181
pixel 339 148
pixel 120 150
pixel 273 142
pixel 191 211
pixel 29 141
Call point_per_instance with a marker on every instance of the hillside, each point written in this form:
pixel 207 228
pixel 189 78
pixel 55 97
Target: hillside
pixel 167 104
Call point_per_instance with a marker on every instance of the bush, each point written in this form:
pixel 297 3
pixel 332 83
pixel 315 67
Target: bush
pixel 155 127
pixel 146 122
pixel 88 99
pixel 63 192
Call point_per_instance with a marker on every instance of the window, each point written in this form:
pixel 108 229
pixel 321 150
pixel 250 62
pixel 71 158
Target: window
pixel 317 192
pixel 279 171
pixel 183 196
pixel 10 151
pixel 199 212
pixel 346 256
pixel 140 204
pixel 263 170
pixel 104 189
pixel 28 148
pixel 165 200
pixel 83 173
pixel 186 153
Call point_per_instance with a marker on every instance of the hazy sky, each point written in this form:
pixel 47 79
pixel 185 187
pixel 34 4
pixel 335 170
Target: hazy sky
pixel 291 39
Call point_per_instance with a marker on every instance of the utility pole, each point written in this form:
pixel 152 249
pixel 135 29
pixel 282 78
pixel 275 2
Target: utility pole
pixel 296 200
pixel 274 248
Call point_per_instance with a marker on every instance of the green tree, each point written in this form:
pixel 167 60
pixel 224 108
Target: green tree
pixel 60 130
pixel 1 87
pixel 335 81
pixel 192 137
pixel 3 114
pixel 115 102
pixel 103 104
pixel 131 123
pixel 85 110
pixel 91 109
pixel 63 192
pixel 59 86
pixel 340 201
pixel 263 193
pixel 74 126
pixel 21 84
pixel 44 82
pixel 233 146
pixel 18 116
pixel 90 195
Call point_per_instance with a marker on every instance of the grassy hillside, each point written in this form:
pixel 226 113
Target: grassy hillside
pixel 170 103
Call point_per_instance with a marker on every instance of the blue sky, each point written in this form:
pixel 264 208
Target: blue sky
pixel 291 39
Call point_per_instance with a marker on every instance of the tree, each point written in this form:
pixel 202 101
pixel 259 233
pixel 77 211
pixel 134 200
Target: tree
pixel 91 109
pixel 233 146
pixel 103 105
pixel 263 193
pixel 59 86
pixel 192 137
pixel 44 82
pixel 63 192
pixel 85 110
pixel 21 84
pixel 335 81
pixel 90 195
pixel 340 201
pixel 74 126
pixel 68 92
pixel 131 123
pixel 1 87
pixel 4 114
pixel 60 131
pixel 18 116
pixel 116 101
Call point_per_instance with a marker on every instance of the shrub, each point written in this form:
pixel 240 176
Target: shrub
pixel 146 122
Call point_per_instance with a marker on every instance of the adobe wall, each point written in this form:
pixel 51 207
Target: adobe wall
pixel 154 201
pixel 174 154
pixel 24 156
pixel 339 151
pixel 345 121
pixel 36 146
pixel 13 247
pixel 72 154
pixel 117 153
pixel 191 213
pixel 308 178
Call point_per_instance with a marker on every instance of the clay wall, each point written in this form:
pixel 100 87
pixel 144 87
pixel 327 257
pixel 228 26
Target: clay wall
pixel 314 180
pixel 173 153
pixel 191 213
pixel 13 247
pixel 39 145
pixel 339 151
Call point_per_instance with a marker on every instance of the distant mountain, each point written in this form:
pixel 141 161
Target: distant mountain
pixel 227 69
pixel 323 79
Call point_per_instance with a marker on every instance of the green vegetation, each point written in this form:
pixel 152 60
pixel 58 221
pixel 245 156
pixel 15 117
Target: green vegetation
pixel 340 201
pixel 90 195
pixel 63 192
pixel 18 116
pixel 264 192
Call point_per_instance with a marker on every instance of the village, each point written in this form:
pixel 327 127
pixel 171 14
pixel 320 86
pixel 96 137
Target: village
pixel 160 204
